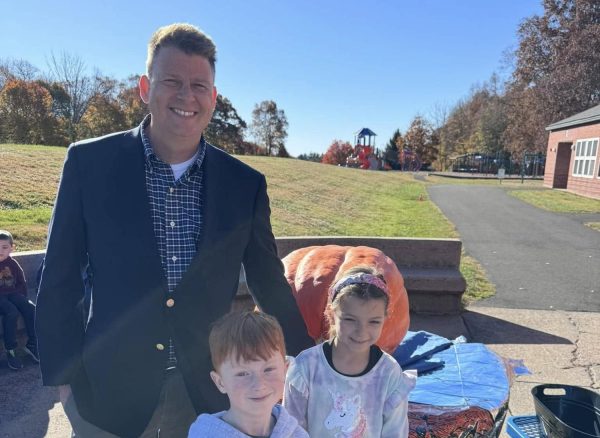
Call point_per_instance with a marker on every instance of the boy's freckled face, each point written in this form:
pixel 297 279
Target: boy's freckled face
pixel 5 249
pixel 253 387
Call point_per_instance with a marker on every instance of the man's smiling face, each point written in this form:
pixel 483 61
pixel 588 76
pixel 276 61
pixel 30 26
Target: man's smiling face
pixel 181 96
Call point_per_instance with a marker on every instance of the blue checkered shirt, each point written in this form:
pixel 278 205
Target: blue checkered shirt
pixel 176 213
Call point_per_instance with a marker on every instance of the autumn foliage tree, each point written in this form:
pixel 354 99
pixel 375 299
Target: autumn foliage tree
pixel 557 71
pixel 25 113
pixel 103 115
pixel 226 128
pixel 133 107
pixel 477 123
pixel 419 139
pixel 337 153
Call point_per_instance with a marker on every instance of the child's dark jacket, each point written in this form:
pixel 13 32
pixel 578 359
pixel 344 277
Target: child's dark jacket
pixel 12 279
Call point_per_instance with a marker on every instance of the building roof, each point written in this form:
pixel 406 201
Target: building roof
pixel 587 116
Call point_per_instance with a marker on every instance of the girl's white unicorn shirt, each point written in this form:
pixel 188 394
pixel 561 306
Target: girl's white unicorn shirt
pixel 329 404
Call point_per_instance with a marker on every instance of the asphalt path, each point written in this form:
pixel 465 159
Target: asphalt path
pixel 536 259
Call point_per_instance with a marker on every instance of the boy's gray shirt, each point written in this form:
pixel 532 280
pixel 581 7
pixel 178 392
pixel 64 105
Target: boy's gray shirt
pixel 212 425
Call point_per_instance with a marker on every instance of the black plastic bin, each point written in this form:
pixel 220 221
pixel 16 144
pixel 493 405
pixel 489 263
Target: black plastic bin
pixel 567 411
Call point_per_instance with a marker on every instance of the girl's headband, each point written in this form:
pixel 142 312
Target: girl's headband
pixel 361 278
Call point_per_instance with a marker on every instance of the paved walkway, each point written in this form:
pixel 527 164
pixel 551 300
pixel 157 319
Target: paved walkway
pixel 537 259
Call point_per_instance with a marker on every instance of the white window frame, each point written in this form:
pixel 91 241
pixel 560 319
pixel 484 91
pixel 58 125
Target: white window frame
pixel 586 152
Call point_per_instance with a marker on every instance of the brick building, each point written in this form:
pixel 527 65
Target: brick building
pixel 573 155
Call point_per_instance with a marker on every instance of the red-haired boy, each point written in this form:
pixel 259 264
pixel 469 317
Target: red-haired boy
pixel 248 355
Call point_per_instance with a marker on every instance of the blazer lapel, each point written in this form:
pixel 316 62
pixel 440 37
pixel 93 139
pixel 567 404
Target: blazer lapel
pixel 211 235
pixel 131 199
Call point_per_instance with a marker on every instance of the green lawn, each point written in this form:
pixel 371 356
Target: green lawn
pixel 30 176
pixel 558 201
pixel 306 199
pixel 316 199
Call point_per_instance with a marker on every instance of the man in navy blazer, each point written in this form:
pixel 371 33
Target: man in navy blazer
pixel 164 221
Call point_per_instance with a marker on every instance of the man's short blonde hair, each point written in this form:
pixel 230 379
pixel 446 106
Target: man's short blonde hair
pixel 247 336
pixel 185 37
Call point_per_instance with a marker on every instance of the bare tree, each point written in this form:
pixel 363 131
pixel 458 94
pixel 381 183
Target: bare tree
pixel 17 69
pixel 70 72
pixel 269 126
pixel 438 117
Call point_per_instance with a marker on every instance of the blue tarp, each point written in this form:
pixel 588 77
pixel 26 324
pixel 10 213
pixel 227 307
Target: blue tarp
pixel 416 349
pixel 471 374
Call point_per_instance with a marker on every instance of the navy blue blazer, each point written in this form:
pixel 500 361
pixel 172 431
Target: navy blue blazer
pixel 114 361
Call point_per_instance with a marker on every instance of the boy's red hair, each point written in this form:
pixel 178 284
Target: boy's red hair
pixel 245 336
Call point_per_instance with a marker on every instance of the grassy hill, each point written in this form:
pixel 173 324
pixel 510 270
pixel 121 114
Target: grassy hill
pixel 30 176
pixel 306 199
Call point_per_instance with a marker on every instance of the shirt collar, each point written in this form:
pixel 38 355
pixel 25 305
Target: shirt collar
pixel 149 152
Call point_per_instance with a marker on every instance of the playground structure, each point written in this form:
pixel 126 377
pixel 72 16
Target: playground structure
pixel 365 155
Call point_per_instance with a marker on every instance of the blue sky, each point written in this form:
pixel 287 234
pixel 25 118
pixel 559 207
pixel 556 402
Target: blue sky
pixel 333 66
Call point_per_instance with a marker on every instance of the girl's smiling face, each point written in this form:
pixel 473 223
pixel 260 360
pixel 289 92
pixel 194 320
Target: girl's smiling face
pixel 358 323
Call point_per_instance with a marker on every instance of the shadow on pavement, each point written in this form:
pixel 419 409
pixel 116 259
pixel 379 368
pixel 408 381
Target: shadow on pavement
pixel 490 330
pixel 24 402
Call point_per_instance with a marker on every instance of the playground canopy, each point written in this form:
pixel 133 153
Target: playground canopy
pixel 365 132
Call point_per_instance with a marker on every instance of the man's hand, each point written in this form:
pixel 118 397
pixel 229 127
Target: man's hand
pixel 64 392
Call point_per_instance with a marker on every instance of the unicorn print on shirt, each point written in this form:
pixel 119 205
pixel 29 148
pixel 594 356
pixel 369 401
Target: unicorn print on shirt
pixel 347 415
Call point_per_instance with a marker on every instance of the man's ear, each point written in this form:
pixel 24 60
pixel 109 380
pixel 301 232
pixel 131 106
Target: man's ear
pixel 218 381
pixel 144 86
pixel 214 97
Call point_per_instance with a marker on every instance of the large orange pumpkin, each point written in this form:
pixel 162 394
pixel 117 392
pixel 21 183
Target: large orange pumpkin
pixel 310 271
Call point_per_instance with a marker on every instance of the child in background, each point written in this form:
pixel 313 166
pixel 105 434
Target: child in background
pixel 13 300
pixel 248 355
pixel 347 386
